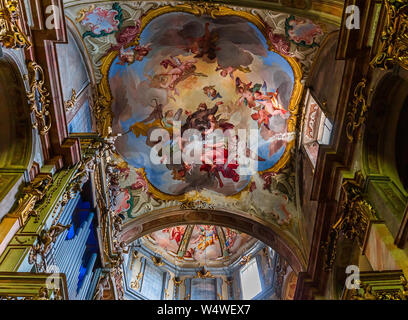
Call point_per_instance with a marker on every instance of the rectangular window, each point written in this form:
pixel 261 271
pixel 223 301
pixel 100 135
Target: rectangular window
pixel 203 289
pixel 327 130
pixel 152 285
pixel 250 281
pixel 317 129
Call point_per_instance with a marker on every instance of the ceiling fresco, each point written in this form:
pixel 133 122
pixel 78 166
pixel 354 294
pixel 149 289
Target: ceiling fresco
pixel 199 245
pixel 207 74
pixel 209 67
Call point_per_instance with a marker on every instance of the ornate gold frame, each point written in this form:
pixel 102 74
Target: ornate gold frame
pixel 199 9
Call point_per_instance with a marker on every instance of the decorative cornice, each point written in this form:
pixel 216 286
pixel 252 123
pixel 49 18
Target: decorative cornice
pixel 379 285
pixel 38 286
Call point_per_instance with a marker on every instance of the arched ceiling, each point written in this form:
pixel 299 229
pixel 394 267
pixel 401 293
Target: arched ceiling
pixel 199 245
pixel 208 66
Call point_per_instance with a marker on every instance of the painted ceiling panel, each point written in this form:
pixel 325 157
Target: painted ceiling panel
pixel 213 68
pixel 199 245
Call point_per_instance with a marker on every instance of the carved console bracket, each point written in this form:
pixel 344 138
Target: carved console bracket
pixel 32 194
pixel 356 216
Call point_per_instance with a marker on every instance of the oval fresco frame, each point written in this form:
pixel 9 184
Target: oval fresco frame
pixel 214 11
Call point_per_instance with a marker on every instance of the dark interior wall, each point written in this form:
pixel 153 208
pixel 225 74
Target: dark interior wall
pixel 14 118
pixel 384 150
pixel 308 206
pixel 15 133
pixel 401 150
pixel 324 83
pixel 326 76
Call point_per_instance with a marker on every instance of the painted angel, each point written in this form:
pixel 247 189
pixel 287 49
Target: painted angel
pixel 124 38
pixel 132 55
pixel 225 71
pixel 176 71
pixel 270 101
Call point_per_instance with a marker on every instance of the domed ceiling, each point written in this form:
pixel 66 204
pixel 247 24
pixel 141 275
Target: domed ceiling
pixel 236 74
pixel 199 245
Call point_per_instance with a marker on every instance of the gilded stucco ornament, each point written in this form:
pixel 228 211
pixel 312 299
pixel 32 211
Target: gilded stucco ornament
pixel 97 155
pixel 359 107
pixel 136 283
pixel 393 47
pixel 38 97
pixel 177 283
pixel 158 261
pixel 378 285
pixel 11 35
pixel 204 274
pixel 32 194
pixel 245 260
pixel 70 104
pixel 102 111
pixel 42 247
pixel 39 287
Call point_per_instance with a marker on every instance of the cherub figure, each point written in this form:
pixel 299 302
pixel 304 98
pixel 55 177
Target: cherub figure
pixel 262 117
pixel 178 71
pixel 246 91
pixel 225 71
pixel 125 37
pixel 211 92
pixel 135 54
pixel 270 102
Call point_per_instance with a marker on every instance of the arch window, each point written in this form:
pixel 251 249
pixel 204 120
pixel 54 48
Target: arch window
pixel 250 280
